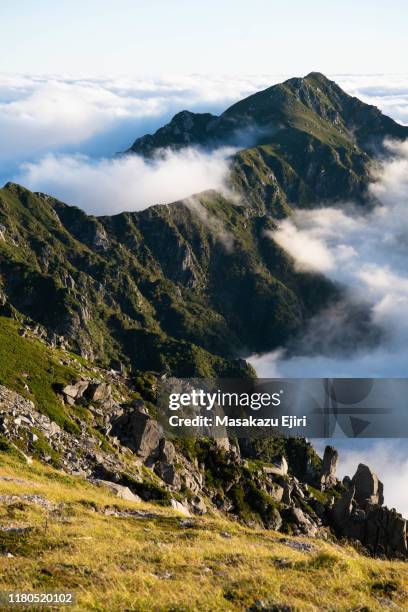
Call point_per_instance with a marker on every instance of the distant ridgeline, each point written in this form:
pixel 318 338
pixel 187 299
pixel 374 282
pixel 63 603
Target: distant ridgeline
pixel 192 287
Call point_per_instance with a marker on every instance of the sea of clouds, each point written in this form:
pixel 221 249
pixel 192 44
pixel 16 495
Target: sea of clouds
pixel 367 252
pixel 60 134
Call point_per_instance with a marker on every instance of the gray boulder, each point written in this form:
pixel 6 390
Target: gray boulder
pixel 167 472
pixel 300 521
pixel 141 433
pixel 76 391
pixel 179 507
pixel 197 505
pixel 98 392
pixel 274 521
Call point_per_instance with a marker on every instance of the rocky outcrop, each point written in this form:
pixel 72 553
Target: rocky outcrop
pixel 368 488
pixel 216 478
pixel 93 391
pixel 76 453
pixel 359 514
pixel 329 466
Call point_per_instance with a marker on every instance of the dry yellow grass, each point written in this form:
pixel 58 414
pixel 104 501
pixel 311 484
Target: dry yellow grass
pixel 157 563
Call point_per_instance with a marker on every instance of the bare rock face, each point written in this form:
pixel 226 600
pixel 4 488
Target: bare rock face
pixel 329 467
pixel 398 536
pixel 344 508
pixel 167 451
pixel 368 488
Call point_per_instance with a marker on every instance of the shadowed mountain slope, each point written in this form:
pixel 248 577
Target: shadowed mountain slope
pixel 189 287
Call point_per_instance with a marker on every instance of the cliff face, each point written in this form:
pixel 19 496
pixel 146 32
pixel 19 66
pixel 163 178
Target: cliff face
pixel 184 288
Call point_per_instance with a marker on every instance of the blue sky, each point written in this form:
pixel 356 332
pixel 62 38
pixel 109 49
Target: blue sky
pixel 225 36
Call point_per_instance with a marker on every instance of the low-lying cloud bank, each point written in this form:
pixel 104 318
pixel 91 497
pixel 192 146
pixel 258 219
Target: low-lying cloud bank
pixel 102 116
pixel 128 183
pixel 367 252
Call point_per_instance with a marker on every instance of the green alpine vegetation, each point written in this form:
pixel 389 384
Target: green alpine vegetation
pixel 302 143
pixel 157 290
pixel 196 286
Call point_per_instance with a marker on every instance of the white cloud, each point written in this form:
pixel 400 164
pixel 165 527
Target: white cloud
pixel 40 114
pixel 54 113
pixel 309 252
pixel 366 252
pixel 43 113
pixel 109 186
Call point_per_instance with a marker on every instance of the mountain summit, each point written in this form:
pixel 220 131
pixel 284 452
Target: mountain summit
pixel 300 142
pixel 312 104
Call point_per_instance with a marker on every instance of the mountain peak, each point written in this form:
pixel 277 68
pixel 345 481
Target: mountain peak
pixel 318 76
pixel 312 105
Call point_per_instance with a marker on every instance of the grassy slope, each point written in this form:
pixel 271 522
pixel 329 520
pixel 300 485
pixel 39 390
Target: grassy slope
pixel 155 563
pixel 27 361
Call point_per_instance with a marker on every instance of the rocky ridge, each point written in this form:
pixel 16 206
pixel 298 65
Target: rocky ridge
pixel 136 461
